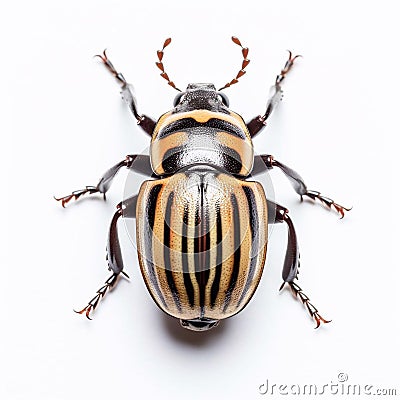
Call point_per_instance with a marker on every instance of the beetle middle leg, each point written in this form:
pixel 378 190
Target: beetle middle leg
pixel 258 123
pixel 138 163
pixel 126 208
pixel 279 214
pixel 128 95
pixel 266 161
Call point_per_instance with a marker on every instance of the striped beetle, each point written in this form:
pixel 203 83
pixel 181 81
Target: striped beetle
pixel 201 224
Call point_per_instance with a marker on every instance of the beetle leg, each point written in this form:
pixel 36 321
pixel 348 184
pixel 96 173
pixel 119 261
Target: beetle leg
pixel 128 95
pixel 313 195
pixel 258 123
pixel 138 163
pixel 312 310
pixel 127 208
pixel 264 162
pixel 278 214
pixel 93 303
pixel 288 66
pixel 76 194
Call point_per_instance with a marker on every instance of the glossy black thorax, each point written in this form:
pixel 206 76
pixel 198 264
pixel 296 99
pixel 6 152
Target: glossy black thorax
pixel 201 129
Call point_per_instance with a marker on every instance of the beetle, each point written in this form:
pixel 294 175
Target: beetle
pixel 201 224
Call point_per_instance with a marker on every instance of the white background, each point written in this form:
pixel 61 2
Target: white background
pixel 63 124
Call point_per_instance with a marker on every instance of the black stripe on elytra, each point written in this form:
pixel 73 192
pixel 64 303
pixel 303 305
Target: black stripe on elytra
pixel 254 229
pixel 236 254
pixel 198 247
pixel 218 268
pixel 185 264
pixel 167 252
pixel 204 274
pixel 186 124
pixel 228 159
pixel 148 237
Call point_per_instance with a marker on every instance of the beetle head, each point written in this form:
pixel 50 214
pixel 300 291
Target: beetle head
pixel 200 96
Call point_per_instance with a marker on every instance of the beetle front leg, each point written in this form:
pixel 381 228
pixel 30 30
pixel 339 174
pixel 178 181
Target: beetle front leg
pixel 258 123
pixel 264 162
pixel 279 214
pixel 127 209
pixel 138 163
pixel 128 95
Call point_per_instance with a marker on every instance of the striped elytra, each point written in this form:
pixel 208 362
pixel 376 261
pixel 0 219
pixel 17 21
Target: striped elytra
pixel 202 238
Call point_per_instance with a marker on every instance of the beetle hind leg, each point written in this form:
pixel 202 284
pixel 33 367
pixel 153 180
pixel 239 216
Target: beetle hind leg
pixel 292 260
pixel 127 208
pixel 313 311
pixel 93 303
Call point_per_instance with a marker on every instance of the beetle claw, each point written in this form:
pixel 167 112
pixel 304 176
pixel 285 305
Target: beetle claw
pixel 109 65
pixel 319 319
pixel 85 310
pixel 103 56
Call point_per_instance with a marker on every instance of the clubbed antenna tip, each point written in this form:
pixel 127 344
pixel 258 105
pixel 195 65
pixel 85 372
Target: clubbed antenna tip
pixel 245 63
pixel 160 65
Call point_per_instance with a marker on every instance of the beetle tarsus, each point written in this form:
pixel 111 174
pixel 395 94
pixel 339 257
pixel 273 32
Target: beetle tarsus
pixel 109 65
pixel 313 195
pixel 312 310
pixel 93 303
pixel 288 66
pixel 77 194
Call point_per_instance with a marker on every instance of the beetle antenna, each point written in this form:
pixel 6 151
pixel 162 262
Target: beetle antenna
pixel 160 65
pixel 245 63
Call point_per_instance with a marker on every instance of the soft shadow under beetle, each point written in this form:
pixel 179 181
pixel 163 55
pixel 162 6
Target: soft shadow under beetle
pixel 201 224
